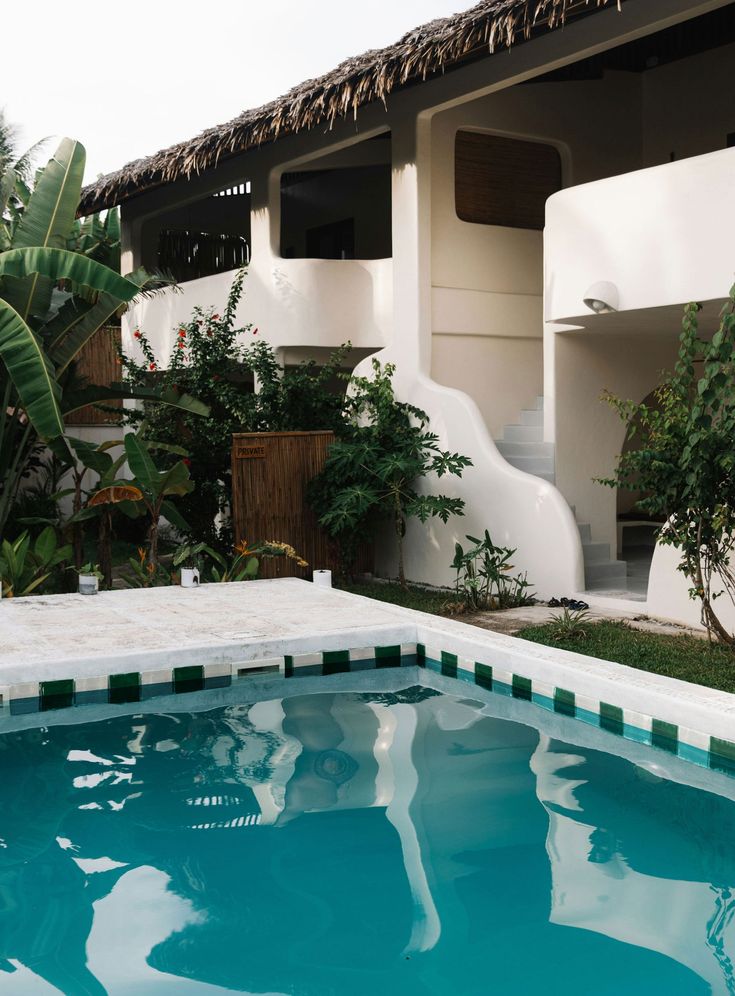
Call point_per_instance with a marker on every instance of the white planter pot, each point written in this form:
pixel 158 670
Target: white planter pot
pixel 189 577
pixel 323 579
pixel 89 584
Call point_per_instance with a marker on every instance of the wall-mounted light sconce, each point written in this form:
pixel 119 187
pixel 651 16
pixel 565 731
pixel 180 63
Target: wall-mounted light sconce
pixel 602 297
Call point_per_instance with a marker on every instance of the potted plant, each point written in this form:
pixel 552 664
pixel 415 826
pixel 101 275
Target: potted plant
pixel 89 576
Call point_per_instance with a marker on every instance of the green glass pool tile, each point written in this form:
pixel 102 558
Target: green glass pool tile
pixel 522 688
pixel 449 664
pixel 611 718
pixel 564 702
pixel 288 665
pixel 335 661
pixel 124 688
pixel 189 678
pixel 484 676
pixel 57 694
pixel 722 754
pixel 388 656
pixel 420 654
pixel 665 735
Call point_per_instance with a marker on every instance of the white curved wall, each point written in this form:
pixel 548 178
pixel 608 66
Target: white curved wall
pixel 661 235
pixel 293 302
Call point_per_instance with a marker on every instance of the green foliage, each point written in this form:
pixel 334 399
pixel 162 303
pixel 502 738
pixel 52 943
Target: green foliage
pixel 156 487
pixel 243 565
pixel 209 361
pixel 59 283
pixel 685 463
pixel 374 471
pixel 570 624
pixel 144 573
pixel 26 566
pixel 687 658
pixel 483 578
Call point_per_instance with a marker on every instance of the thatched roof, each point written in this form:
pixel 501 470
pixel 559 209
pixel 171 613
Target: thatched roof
pixel 419 55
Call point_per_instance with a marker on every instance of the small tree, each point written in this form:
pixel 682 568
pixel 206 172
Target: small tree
pixel 373 471
pixel 685 465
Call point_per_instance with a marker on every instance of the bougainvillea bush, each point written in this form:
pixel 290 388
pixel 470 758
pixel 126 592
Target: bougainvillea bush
pixel 217 361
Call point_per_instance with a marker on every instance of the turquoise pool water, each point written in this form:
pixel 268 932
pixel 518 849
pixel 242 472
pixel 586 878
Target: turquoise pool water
pixel 355 843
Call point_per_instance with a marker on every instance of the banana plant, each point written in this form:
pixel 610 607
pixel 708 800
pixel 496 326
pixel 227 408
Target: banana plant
pixel 25 566
pixel 156 486
pixel 56 291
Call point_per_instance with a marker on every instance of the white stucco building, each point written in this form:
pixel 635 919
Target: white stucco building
pixel 447 204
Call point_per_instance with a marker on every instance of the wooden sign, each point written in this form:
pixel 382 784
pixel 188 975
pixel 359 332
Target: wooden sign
pixel 249 452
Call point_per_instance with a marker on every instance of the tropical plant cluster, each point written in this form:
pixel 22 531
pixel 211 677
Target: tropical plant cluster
pixel 209 361
pixel 684 463
pixel 376 471
pixel 483 578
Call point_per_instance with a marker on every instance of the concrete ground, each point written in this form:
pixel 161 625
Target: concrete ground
pixel 510 621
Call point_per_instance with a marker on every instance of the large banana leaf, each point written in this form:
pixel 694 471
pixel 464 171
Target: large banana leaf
pixel 31 372
pixel 61 264
pixel 52 208
pixel 72 401
pixel 140 463
pixel 46 223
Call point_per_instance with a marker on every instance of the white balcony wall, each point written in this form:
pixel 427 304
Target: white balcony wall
pixel 661 235
pixel 293 302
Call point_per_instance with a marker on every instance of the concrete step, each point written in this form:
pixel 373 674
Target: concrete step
pixel 523 434
pixel 595 552
pixel 509 449
pixel 533 416
pixel 585 530
pixel 532 464
pixel 612 572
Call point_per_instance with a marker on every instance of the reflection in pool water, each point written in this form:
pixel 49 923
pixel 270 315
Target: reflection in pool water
pixel 339 842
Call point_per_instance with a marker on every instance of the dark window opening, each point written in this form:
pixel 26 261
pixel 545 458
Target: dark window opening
pixel 504 181
pixel 340 206
pixel 208 236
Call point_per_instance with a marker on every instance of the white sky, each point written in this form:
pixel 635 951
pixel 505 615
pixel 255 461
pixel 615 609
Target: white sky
pixel 129 77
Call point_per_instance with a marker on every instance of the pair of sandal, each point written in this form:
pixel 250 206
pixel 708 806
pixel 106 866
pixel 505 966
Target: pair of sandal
pixel 568 603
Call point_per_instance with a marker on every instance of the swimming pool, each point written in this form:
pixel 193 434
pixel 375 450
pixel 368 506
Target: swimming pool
pixel 387 831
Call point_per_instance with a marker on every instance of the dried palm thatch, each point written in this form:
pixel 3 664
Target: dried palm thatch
pixel 419 55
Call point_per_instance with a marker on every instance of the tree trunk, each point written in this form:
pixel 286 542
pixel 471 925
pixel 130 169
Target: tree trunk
pixel 104 546
pixel 400 530
pixel 77 531
pixel 153 542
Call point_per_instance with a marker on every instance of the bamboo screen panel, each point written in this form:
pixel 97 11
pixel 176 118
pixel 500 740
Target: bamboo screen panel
pixel 270 473
pixel 99 363
pixel 503 181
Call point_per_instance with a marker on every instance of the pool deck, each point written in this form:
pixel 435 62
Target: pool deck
pixel 226 626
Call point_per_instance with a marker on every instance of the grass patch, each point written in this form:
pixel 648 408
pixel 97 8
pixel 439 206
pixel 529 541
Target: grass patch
pixel 683 657
pixel 422 599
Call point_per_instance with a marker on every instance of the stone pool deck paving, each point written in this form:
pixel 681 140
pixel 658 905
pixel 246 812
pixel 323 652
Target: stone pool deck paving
pixel 45 639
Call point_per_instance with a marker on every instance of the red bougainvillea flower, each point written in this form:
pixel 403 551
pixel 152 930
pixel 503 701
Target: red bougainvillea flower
pixel 215 318
pixel 216 377
pixel 182 345
pixel 209 333
pixel 182 333
pixel 186 462
pixel 137 333
pixel 152 366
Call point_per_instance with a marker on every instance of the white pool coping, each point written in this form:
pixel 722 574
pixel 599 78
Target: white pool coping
pixel 74 636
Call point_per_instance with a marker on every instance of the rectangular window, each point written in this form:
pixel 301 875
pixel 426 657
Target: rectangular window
pixel 504 181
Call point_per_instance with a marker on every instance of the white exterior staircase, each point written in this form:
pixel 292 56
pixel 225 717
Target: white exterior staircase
pixel 523 446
